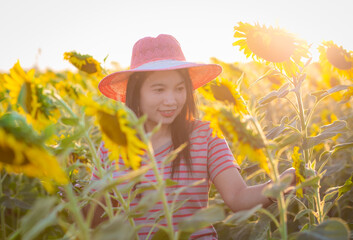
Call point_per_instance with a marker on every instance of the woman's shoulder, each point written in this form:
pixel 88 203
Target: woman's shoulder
pixel 201 127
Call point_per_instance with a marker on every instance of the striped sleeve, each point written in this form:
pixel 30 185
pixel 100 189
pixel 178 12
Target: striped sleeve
pixel 219 156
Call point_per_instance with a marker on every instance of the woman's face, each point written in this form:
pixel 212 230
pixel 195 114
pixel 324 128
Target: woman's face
pixel 163 96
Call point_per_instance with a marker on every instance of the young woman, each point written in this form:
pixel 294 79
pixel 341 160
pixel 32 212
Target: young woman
pixel 160 84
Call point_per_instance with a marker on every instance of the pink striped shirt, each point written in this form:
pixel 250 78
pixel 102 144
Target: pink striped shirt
pixel 210 156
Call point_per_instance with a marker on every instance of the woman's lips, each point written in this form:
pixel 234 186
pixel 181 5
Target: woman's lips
pixel 167 113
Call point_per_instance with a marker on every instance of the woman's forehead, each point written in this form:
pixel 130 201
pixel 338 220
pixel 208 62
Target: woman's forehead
pixel 164 78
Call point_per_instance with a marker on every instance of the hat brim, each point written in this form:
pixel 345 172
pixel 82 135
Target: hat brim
pixel 114 85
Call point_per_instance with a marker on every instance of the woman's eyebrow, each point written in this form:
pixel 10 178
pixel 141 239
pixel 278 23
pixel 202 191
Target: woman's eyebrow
pixel 157 85
pixel 162 84
pixel 181 82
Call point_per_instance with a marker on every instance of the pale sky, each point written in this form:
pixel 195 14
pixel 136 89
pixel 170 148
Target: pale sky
pixel 204 28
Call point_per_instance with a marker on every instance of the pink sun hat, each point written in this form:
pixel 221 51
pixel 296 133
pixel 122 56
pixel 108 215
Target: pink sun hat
pixel 156 54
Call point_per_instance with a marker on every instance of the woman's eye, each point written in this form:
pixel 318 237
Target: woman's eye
pixel 158 90
pixel 180 89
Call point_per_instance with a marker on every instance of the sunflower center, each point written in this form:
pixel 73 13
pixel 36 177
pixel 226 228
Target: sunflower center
pixel 7 155
pixel 89 67
pixel 111 127
pixel 337 57
pixel 271 46
pixel 25 97
pixel 222 93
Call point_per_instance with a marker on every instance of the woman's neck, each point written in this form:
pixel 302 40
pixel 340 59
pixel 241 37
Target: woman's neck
pixel 161 137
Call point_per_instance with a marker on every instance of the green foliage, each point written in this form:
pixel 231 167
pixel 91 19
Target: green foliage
pixel 201 219
pixel 332 229
pixel 285 116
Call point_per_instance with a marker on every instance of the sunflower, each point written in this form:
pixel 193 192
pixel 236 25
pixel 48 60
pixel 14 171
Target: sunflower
pixel 4 104
pixel 225 91
pixel 318 78
pixel 117 133
pixel 21 87
pixel 245 142
pixel 28 98
pixel 231 71
pixel 32 160
pixel 85 63
pixel 67 90
pixel 333 57
pixel 271 45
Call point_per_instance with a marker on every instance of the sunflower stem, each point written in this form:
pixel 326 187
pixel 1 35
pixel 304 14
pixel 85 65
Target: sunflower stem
pixel 64 105
pixel 318 206
pixel 304 131
pixel 275 176
pixel 2 208
pixel 77 214
pixel 126 208
pixel 98 164
pixel 96 159
pixel 159 179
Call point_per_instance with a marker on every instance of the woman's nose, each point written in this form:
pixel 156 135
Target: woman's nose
pixel 170 99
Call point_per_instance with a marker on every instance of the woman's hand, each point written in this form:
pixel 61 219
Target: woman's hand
pixel 289 171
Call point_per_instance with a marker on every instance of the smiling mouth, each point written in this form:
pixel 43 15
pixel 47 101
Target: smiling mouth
pixel 167 113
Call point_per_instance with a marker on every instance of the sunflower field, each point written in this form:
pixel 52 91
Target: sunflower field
pixel 279 110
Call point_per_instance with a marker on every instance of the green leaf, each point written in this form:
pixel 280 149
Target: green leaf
pixel 318 94
pixel 305 227
pixel 173 154
pixel 275 188
pixel 327 207
pixel 310 182
pixel 267 74
pixel 105 58
pixel 302 213
pixel 12 203
pixel 281 93
pixel 240 80
pixel 262 225
pixel 118 227
pixel 339 147
pixel 327 132
pixel 202 219
pixel 346 187
pixel 268 98
pixel 335 126
pixel 42 215
pixel 140 188
pixel 160 214
pixel 169 182
pixel 146 203
pixel 329 196
pixel 276 131
pixel 160 235
pixel 324 93
pixel 70 121
pixel 288 139
pixel 181 189
pixel 48 132
pixel 105 185
pixel 70 140
pixel 241 216
pixel 331 229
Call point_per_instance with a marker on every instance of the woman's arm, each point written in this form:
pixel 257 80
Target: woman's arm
pixel 237 195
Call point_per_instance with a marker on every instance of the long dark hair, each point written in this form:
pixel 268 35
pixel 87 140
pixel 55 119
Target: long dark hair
pixel 183 121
